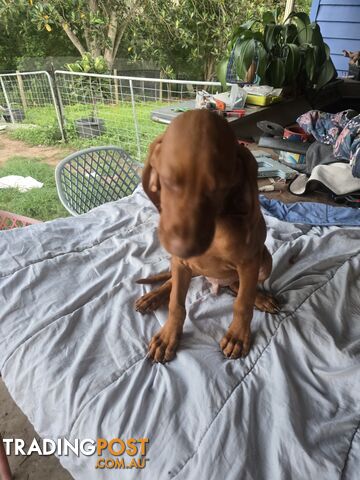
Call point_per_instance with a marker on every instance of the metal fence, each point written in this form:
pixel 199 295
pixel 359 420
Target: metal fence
pixel 109 109
pixel 29 98
pixel 91 109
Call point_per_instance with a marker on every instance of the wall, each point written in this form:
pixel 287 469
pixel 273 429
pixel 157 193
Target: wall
pixel 340 26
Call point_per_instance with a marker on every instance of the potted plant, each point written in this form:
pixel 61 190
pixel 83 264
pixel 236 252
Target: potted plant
pixel 289 54
pixel 17 113
pixel 91 126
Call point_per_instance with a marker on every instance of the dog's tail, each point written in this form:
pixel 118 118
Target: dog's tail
pixel 160 277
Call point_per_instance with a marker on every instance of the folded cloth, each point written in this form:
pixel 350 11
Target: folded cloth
pixel 341 130
pixel 319 154
pixel 310 213
pixel 337 178
pixel 21 183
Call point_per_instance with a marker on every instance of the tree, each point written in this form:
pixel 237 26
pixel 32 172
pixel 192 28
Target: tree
pixel 94 26
pixel 191 35
pixel 9 47
pixel 21 43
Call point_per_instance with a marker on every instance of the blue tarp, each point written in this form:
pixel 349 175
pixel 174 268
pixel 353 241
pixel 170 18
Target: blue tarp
pixel 311 213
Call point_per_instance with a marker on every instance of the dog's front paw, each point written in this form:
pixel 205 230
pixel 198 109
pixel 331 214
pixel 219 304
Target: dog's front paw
pixel 163 345
pixel 236 341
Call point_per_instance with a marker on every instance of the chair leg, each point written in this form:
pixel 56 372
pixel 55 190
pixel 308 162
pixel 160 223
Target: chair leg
pixel 5 473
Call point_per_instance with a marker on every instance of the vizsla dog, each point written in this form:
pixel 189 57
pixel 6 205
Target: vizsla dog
pixel 204 185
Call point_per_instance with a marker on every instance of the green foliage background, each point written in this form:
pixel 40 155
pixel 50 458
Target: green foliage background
pixel 184 38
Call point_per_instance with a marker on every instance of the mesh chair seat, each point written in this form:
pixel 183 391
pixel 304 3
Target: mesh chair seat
pixel 91 177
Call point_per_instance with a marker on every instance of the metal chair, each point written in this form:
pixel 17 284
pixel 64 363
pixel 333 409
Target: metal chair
pixel 91 177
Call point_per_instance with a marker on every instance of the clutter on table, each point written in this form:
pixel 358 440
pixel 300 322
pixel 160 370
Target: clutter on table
pixel 262 95
pixel 329 153
pixel 294 134
pixel 268 167
pixel 228 104
pixel 232 103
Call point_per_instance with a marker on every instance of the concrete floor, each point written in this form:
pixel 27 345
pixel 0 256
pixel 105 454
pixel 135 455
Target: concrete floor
pixel 14 424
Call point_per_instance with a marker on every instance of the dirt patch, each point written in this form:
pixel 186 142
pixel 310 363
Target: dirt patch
pixel 51 155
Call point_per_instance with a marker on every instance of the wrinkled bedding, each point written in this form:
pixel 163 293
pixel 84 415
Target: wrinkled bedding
pixel 73 352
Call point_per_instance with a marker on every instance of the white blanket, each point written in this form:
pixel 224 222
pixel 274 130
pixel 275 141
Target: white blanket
pixel 73 352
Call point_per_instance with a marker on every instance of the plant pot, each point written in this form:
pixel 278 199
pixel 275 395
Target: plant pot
pixel 90 127
pixel 17 113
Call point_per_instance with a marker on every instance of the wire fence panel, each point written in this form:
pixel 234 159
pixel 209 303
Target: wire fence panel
pixel 29 98
pixel 89 109
pixel 117 110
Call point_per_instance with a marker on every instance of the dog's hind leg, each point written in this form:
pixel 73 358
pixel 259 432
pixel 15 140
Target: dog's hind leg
pixel 154 299
pixel 159 277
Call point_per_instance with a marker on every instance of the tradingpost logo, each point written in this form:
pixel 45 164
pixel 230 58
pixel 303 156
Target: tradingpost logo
pixel 115 453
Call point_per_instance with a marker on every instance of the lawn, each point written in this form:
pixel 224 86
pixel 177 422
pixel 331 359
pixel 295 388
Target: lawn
pixel 41 128
pixel 42 203
pixel 119 124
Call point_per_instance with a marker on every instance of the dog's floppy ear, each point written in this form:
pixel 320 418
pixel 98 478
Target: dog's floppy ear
pixel 150 177
pixel 249 184
pixel 243 198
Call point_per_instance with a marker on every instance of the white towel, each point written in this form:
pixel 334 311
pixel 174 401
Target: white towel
pixel 23 184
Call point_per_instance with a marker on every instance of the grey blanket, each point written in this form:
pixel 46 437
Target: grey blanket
pixel 73 352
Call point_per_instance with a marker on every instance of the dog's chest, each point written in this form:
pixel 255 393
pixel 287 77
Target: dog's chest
pixel 218 269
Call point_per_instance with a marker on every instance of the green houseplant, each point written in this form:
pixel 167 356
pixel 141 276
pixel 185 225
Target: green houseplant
pixel 288 54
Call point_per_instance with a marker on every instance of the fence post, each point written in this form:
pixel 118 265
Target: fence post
pixel 135 119
pixel 121 90
pixel 21 89
pixel 57 109
pixel 116 88
pixel 142 86
pixel 7 100
pixel 169 92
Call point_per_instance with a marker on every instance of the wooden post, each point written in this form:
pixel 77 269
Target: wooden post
pixel 116 88
pixel 21 89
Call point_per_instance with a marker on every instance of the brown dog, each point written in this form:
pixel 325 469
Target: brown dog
pixel 204 185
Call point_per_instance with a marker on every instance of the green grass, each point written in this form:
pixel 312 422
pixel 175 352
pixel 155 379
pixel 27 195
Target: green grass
pixel 43 203
pixel 119 124
pixel 41 128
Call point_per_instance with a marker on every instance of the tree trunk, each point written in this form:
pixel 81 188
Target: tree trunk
pixel 209 69
pixel 73 38
pixel 109 54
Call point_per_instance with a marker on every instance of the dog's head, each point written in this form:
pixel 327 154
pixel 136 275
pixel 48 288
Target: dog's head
pixel 194 172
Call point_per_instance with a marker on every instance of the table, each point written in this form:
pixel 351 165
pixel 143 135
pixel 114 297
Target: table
pixel 245 127
pixel 335 96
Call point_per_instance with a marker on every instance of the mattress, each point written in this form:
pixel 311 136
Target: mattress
pixel 73 352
